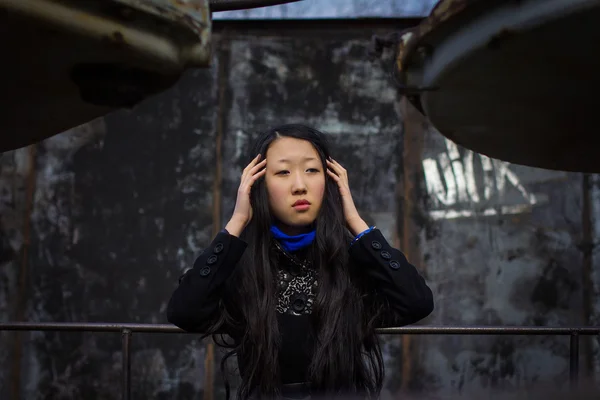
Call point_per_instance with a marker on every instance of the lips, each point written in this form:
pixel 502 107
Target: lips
pixel 301 203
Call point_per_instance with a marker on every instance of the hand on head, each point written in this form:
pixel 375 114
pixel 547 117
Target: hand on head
pixel 242 214
pixel 340 176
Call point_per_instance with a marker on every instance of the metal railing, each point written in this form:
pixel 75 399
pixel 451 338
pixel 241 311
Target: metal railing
pixel 127 330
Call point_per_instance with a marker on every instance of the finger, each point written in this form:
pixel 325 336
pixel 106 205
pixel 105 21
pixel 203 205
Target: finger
pixel 332 169
pixel 261 166
pixel 257 167
pixel 260 163
pixel 339 166
pixel 252 179
pixel 252 163
pixel 333 175
pixel 249 180
pixel 335 168
pixel 251 169
pixel 331 164
pixel 258 174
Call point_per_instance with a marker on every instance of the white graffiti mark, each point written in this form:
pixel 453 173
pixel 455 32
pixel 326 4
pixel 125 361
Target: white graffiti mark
pixel 452 185
pixel 240 142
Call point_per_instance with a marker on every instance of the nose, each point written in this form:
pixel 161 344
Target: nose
pixel 298 184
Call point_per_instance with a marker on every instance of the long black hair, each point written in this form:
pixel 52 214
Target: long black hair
pixel 347 356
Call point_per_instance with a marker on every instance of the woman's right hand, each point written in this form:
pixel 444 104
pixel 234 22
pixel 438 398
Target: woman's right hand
pixel 242 214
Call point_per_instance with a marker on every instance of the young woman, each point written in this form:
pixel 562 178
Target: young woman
pixel 298 280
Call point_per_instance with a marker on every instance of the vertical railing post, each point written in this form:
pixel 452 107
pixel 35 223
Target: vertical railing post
pixel 574 359
pixel 126 342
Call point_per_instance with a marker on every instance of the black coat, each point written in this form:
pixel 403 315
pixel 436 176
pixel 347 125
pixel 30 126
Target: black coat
pixel 195 302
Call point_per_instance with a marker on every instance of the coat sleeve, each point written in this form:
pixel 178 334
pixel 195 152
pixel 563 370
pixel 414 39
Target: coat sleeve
pixel 194 304
pixel 404 291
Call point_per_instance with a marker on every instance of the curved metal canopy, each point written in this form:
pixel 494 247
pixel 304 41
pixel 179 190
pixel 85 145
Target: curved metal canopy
pixel 66 62
pixel 514 80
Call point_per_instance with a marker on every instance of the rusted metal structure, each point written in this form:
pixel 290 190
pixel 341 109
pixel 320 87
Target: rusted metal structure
pixel 514 80
pixel 67 62
pixel 72 61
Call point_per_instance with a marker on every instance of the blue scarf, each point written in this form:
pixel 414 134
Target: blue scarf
pixel 293 243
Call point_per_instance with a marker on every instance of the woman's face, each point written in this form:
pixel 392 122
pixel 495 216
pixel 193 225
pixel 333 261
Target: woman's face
pixel 295 182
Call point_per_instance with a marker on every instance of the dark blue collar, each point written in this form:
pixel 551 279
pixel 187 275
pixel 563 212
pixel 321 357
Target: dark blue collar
pixel 293 243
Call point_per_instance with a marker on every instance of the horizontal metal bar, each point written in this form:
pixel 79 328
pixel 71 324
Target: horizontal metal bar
pixel 89 327
pixel 422 330
pixel 491 330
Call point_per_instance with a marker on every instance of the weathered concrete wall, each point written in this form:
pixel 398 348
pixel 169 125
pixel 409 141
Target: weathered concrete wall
pixel 122 205
pixel 501 248
pixel 328 84
pixel 593 184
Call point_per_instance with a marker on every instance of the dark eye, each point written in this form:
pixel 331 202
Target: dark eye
pixel 313 170
pixel 284 172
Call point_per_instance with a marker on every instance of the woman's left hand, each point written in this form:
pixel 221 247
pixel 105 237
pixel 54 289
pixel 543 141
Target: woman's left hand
pixel 340 176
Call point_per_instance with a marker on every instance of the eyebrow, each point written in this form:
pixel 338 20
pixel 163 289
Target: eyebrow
pixel 285 160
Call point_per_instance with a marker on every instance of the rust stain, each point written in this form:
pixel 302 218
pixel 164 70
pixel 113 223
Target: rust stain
pixel 403 44
pixel 24 273
pixel 191 13
pixel 442 12
pixel 194 5
pixel 209 376
pixel 412 154
pixel 447 8
pixel 209 361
